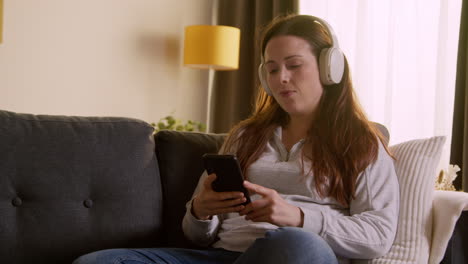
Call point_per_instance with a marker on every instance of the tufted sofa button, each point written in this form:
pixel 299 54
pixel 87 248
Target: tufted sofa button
pixel 88 203
pixel 17 201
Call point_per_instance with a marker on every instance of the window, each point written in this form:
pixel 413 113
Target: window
pixel 402 56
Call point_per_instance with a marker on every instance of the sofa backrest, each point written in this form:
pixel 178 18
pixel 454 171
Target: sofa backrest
pixel 71 185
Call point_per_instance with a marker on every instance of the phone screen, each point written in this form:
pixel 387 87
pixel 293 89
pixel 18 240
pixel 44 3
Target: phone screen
pixel 228 173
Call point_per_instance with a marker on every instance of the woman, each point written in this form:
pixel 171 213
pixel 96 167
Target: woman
pixel 324 186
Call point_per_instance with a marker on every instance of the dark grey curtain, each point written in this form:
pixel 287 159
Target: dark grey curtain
pixel 459 148
pixel 234 91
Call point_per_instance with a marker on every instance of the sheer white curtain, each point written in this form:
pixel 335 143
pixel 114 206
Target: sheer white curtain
pixel 402 55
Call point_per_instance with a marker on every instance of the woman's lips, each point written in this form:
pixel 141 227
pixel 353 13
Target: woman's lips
pixel 287 93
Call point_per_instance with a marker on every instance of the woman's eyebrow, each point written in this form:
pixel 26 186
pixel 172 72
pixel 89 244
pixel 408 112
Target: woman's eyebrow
pixel 286 58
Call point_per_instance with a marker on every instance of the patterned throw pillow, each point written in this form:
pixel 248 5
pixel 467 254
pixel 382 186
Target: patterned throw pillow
pixel 416 163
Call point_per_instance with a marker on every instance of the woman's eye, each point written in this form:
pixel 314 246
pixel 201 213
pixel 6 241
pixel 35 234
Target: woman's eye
pixel 271 70
pixel 293 66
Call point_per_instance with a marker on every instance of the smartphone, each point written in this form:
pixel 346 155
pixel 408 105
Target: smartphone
pixel 228 173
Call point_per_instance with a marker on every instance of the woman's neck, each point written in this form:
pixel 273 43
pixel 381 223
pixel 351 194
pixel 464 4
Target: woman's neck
pixel 294 131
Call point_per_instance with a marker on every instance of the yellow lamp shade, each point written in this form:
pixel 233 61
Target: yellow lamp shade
pixel 215 47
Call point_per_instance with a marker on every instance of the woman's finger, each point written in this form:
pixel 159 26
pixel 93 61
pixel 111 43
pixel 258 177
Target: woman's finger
pixel 254 206
pixel 221 196
pixel 208 181
pixel 255 188
pixel 259 216
pixel 228 203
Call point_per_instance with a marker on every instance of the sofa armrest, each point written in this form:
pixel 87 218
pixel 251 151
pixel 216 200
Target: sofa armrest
pixel 448 206
pixel 457 248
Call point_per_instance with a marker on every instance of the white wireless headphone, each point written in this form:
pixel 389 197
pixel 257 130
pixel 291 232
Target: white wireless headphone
pixel 331 61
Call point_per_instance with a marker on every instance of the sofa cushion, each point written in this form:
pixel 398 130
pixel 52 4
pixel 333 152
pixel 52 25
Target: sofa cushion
pixel 71 185
pixel 180 165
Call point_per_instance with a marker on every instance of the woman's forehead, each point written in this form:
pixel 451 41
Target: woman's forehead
pixel 286 47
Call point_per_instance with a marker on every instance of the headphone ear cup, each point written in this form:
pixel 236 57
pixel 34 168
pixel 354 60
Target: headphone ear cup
pixel 261 77
pixel 331 66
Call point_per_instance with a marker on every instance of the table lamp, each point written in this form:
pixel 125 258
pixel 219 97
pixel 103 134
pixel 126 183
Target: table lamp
pixel 213 48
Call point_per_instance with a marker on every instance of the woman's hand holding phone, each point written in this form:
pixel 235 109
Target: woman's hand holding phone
pixel 208 202
pixel 271 208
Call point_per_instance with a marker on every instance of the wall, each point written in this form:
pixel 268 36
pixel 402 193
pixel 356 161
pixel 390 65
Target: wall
pixel 101 57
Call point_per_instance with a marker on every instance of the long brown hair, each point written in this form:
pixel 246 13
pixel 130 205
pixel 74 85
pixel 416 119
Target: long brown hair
pixel 342 141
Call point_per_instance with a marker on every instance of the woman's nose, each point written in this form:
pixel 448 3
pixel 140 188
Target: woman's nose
pixel 284 76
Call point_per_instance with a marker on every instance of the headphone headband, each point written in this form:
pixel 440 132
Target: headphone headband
pixel 329 30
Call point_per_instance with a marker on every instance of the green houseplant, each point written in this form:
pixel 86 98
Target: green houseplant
pixel 171 123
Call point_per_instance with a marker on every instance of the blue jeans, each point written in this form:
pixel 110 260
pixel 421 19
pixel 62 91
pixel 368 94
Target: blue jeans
pixel 283 245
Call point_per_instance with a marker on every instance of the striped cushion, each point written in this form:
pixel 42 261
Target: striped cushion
pixel 415 165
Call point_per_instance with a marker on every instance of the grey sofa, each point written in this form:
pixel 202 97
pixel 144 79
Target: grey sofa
pixel 72 185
